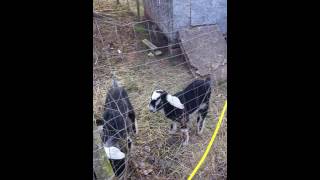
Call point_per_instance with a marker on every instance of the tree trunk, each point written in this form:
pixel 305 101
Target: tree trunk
pixel 138 8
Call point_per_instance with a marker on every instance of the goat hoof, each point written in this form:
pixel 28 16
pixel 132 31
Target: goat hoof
pixel 199 132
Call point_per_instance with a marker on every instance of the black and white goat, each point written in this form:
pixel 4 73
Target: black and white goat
pixel 118 124
pixel 178 107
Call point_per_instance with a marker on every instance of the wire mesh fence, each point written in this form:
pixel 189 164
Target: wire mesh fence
pixel 154 153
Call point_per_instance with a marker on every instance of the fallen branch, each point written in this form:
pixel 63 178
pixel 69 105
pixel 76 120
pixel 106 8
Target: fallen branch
pixel 95 14
pixel 100 15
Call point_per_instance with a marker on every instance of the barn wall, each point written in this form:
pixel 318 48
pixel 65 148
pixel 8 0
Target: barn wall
pixel 173 15
pixel 188 13
pixel 204 12
pixel 181 14
pixel 160 11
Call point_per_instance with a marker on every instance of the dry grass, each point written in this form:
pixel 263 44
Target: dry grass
pixel 156 154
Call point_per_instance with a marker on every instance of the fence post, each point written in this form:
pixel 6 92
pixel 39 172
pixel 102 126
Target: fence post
pixel 101 165
pixel 128 4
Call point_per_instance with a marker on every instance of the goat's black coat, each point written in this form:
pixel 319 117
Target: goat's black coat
pixel 119 118
pixel 117 122
pixel 118 166
pixel 195 94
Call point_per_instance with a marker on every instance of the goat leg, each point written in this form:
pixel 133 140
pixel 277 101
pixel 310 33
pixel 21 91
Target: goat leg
pixel 184 130
pixel 173 127
pixel 185 134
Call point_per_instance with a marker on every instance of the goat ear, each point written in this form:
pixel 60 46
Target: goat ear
pixel 114 153
pixel 175 101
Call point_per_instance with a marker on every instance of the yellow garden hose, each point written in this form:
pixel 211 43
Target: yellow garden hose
pixel 210 143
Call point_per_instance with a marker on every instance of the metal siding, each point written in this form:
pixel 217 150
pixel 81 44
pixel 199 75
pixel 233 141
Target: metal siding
pixel 173 15
pixel 205 12
pixel 181 14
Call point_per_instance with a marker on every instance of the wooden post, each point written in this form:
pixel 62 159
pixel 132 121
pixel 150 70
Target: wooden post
pixel 99 4
pixel 149 31
pixel 120 41
pixel 144 11
pixel 128 4
pixel 135 37
pixel 154 31
pixel 138 8
pixel 101 165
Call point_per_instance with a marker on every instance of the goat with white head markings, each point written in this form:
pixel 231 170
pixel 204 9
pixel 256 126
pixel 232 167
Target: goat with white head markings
pixel 118 124
pixel 178 107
